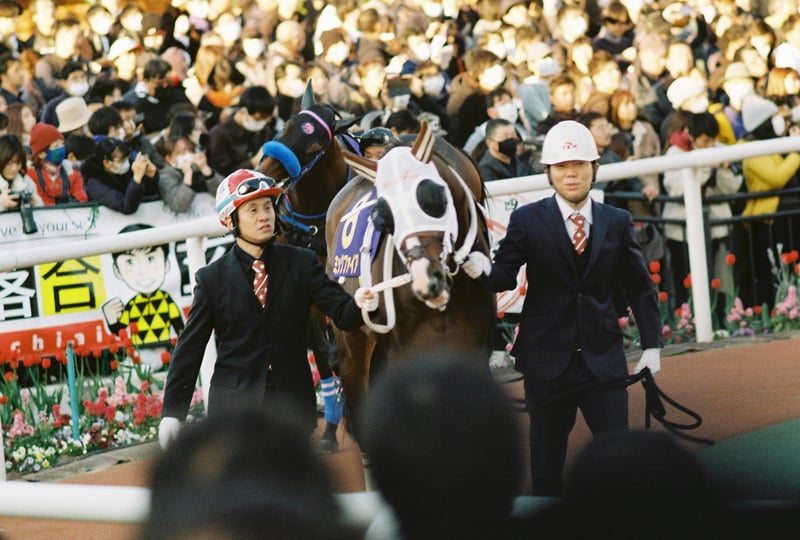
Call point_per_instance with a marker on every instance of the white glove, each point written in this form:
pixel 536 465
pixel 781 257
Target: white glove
pixel 366 299
pixel 651 358
pixel 168 429
pixel 476 264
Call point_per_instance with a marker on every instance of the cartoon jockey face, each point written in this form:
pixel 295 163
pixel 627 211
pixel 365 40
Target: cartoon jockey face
pixel 143 270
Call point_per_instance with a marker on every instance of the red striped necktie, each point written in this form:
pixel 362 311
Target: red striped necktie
pixel 579 236
pixel 260 281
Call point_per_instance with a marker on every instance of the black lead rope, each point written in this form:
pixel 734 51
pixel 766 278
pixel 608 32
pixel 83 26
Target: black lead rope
pixel 654 407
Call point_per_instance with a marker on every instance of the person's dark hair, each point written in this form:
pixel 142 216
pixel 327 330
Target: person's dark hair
pixel 6 59
pixel 403 121
pixel 101 89
pixel 180 108
pixel 496 94
pixel 133 227
pixel 3 120
pixel 82 146
pixel 443 442
pixel 156 68
pixel 106 147
pixel 103 119
pixel 257 100
pixel 11 147
pixel 588 117
pixel 637 470
pixel 182 126
pixel 703 123
pixel 123 105
pixel 97 9
pixel 247 474
pixel 71 67
pixel 167 146
pixel 494 124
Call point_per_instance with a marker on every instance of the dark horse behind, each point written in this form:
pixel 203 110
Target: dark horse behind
pixel 306 158
pixel 427 206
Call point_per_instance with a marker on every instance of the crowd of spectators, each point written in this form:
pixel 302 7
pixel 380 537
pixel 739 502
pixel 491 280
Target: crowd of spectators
pixel 493 75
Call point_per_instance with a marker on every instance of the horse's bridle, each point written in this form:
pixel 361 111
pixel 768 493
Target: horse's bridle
pixel 291 163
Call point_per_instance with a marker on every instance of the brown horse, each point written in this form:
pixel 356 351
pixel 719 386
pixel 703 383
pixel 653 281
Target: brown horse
pixel 307 159
pixel 427 205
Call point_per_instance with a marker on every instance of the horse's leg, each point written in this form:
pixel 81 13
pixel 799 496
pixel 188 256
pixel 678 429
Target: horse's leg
pixel 324 349
pixel 353 351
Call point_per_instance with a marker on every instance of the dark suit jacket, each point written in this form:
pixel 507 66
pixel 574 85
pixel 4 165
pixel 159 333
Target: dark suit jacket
pixel 563 309
pixel 251 338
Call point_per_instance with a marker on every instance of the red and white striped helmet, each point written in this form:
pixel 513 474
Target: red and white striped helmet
pixel 242 186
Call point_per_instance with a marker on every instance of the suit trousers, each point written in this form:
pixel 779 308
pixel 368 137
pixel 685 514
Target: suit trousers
pixel 550 425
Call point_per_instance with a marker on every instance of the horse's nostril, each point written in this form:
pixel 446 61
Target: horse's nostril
pixel 436 285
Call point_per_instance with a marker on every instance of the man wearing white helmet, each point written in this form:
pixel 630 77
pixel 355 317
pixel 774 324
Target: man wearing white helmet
pixel 256 299
pixel 580 254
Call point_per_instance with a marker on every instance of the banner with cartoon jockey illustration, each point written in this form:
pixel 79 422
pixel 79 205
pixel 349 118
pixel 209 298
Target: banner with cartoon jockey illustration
pixel 90 300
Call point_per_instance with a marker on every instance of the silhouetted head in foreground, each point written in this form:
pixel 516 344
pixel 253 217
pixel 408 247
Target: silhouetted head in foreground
pixel 444 446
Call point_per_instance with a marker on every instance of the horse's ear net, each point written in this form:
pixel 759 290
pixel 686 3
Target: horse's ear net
pixel 431 198
pixel 382 218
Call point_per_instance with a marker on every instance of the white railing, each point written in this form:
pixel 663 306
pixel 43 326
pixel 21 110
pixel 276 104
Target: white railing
pixel 105 502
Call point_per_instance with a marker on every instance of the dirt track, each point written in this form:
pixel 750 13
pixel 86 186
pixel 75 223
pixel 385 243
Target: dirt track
pixel 737 386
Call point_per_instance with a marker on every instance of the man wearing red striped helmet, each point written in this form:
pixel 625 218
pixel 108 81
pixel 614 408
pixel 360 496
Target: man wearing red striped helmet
pixel 256 299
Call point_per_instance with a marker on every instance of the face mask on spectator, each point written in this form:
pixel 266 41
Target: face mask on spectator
pixel 337 53
pixel 184 159
pixel 492 77
pixel 78 89
pixel 253 48
pixel 508 111
pixel 779 124
pixel 697 105
pixel 293 88
pixel 508 147
pixel 422 51
pixel 55 155
pixel 230 32
pixel 433 86
pixel 123 167
pixel 548 67
pixel 736 92
pixel 251 124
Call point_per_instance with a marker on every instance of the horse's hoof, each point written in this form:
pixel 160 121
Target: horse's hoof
pixel 328 446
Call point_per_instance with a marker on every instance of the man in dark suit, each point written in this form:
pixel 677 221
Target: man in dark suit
pixel 256 299
pixel 579 255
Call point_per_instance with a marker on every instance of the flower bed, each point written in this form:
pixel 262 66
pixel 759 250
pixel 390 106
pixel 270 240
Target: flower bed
pixel 118 403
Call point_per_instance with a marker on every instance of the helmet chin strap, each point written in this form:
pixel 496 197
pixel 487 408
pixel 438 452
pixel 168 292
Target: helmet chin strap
pixel 238 234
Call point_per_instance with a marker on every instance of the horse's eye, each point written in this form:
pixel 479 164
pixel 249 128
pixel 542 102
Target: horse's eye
pixel 381 216
pixel 431 198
